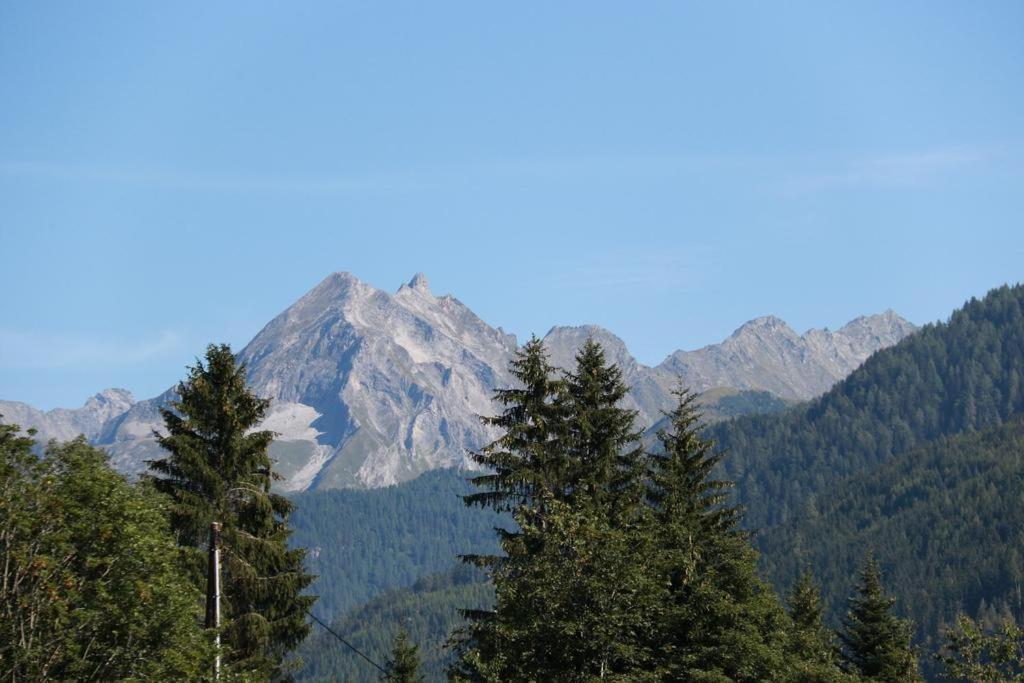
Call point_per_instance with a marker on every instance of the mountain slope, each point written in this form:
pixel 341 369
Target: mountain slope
pixel 64 424
pixel 364 542
pixel 948 378
pixel 370 389
pixel 766 354
pixel 428 610
pixel 945 521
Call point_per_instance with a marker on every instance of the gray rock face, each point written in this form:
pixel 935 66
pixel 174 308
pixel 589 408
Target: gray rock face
pixel 370 389
pixel 651 389
pixel 767 354
pixel 63 424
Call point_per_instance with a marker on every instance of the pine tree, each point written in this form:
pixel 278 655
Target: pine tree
pixel 605 458
pixel 717 621
pixel 526 468
pixel 218 469
pixel 971 654
pixel 811 643
pixel 526 463
pixel 876 644
pixel 404 665
pixel 573 594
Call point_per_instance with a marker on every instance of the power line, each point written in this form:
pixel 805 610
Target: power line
pixel 350 645
pixel 335 634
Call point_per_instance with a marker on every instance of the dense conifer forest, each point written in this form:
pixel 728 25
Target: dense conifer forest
pixel 909 456
pixel 962 375
pixel 363 543
pixel 886 513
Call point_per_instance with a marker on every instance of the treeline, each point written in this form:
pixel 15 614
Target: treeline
pixel 946 519
pixel 427 611
pixel 103 580
pixel 362 543
pixel 625 564
pixel 962 375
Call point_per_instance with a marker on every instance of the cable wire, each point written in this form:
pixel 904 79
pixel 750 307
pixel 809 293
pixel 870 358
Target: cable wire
pixel 350 645
pixel 326 627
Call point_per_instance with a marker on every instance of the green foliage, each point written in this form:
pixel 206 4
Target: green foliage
pixel 624 566
pixel 602 450
pixel 218 469
pixel 945 519
pixel 404 664
pixel 963 375
pixel 811 642
pixel 876 645
pixel 573 597
pixel 92 585
pixel 972 655
pixel 390 537
pixel 428 610
pixel 716 620
pixel 525 464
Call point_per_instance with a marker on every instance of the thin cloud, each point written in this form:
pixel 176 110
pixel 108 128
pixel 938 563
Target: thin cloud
pixel 173 179
pixel 898 170
pixel 636 269
pixel 35 350
pixel 584 168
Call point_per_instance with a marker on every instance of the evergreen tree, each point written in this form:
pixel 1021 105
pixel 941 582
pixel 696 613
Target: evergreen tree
pixel 810 641
pixel 717 620
pixel 526 469
pixel 876 644
pixel 605 458
pixel 973 655
pixel 526 462
pixel 573 594
pixel 404 665
pixel 218 469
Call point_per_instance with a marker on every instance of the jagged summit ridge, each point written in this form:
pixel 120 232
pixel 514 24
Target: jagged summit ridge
pixel 371 388
pixel 767 354
pixel 67 423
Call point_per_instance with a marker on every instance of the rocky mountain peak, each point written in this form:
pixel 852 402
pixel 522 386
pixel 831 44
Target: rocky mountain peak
pixel 766 354
pixel 370 388
pixel 885 328
pixel 765 324
pixel 418 284
pixel 110 402
pixel 563 341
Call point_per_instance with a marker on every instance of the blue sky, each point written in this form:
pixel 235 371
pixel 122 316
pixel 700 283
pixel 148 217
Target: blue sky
pixel 178 173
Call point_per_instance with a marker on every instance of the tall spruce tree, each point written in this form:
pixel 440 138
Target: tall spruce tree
pixel 404 664
pixel 573 596
pixel 525 468
pixel 218 469
pixel 811 642
pixel 717 621
pixel 526 463
pixel 605 457
pixel 876 644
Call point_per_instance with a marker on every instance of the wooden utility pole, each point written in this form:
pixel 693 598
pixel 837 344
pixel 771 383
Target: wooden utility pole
pixel 213 594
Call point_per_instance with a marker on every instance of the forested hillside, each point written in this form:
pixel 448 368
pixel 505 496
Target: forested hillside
pixel 428 610
pixel 363 543
pixel 918 454
pixel 962 375
pixel 946 522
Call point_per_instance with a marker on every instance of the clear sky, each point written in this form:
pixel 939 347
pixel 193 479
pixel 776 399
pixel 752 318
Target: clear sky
pixel 178 173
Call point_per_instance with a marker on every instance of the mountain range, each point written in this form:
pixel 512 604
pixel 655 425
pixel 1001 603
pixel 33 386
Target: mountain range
pixel 370 389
